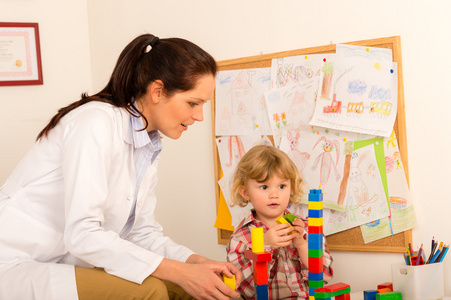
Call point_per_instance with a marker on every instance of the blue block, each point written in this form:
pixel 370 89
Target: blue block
pixel 315 195
pixel 262 292
pixel 370 294
pixel 315 213
pixel 315 276
pixel 315 241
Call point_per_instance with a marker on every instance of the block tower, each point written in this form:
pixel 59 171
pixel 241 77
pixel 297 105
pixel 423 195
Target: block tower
pixel 317 290
pixel 315 241
pixel 260 260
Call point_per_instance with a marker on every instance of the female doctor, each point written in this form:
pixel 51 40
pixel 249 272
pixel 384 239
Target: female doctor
pixel 77 213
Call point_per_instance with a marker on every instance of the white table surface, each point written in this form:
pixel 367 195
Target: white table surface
pixel 359 296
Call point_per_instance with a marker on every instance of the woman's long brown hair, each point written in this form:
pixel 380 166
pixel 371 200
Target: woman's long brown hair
pixel 178 63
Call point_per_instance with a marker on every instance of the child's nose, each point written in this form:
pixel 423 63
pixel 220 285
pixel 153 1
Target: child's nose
pixel 273 194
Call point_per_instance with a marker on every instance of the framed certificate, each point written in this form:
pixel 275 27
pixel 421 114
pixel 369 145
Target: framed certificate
pixel 20 54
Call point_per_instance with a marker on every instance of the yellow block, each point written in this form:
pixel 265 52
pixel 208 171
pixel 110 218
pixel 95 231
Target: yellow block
pixel 315 221
pixel 258 244
pixel 231 282
pixel 314 205
pixel 281 220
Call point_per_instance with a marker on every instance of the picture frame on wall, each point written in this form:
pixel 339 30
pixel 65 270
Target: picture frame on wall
pixel 20 54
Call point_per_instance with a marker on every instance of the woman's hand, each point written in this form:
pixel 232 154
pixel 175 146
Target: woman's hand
pixel 277 236
pixel 205 281
pixel 200 277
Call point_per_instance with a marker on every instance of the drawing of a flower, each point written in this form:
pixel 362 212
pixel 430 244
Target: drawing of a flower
pixel 276 119
pixel 283 116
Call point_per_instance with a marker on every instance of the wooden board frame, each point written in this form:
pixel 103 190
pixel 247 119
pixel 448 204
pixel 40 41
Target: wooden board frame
pixel 349 240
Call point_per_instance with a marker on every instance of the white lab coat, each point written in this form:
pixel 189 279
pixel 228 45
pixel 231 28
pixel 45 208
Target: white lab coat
pixel 66 203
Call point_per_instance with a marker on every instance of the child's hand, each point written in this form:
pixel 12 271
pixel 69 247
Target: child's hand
pixel 278 236
pixel 298 240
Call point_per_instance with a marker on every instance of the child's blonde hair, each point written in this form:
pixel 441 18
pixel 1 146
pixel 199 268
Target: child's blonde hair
pixel 260 163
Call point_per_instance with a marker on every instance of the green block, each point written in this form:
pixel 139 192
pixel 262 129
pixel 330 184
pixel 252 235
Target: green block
pixel 315 252
pixel 314 284
pixel 389 296
pixel 325 295
pixel 290 218
pixel 322 295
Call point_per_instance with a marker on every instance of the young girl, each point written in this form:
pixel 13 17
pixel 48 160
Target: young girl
pixel 269 180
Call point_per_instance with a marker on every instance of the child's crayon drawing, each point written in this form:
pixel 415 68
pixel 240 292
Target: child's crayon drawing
pixel 319 153
pixel 364 52
pixel 366 199
pixel 293 69
pixel 232 148
pixel 402 213
pixel 240 106
pixel 290 108
pixel 357 95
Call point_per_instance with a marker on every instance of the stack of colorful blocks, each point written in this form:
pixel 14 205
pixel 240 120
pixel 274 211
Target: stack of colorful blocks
pixel 260 260
pixel 340 291
pixel 384 292
pixel 315 241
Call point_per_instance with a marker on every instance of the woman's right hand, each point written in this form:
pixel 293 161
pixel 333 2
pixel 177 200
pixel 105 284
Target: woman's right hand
pixel 204 281
pixel 200 280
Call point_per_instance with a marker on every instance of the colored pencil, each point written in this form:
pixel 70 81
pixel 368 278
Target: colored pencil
pixel 432 252
pixel 437 253
pixel 444 253
pixel 439 257
pixel 419 255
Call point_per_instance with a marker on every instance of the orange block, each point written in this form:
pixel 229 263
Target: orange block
pixel 384 290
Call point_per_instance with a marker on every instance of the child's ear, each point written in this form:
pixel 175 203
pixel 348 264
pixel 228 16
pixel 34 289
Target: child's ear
pixel 243 193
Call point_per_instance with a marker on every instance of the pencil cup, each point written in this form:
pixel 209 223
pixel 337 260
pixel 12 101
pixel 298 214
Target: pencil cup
pixel 424 282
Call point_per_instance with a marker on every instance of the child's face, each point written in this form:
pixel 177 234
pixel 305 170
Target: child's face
pixel 269 198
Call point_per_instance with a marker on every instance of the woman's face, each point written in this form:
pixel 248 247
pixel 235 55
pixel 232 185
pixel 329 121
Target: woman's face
pixel 172 115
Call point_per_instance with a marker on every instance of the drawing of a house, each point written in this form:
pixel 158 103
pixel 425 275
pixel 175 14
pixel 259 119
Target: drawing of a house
pixel 297 109
pixel 241 93
pixel 240 90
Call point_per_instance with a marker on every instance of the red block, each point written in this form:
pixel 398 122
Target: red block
pixel 260 257
pixel 315 229
pixel 385 285
pixel 315 264
pixel 260 273
pixel 343 297
pixel 335 287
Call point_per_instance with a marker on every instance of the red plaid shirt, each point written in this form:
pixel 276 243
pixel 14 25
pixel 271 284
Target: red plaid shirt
pixel 287 275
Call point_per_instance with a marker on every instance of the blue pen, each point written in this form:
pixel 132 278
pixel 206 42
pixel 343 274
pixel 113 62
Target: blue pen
pixel 444 253
pixel 436 255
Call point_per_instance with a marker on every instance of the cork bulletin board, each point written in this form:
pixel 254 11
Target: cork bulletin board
pixel 351 239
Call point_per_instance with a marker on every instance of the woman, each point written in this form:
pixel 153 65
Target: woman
pixel 77 213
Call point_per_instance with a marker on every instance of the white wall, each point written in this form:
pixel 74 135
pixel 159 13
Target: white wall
pixel 232 29
pixel 64 39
